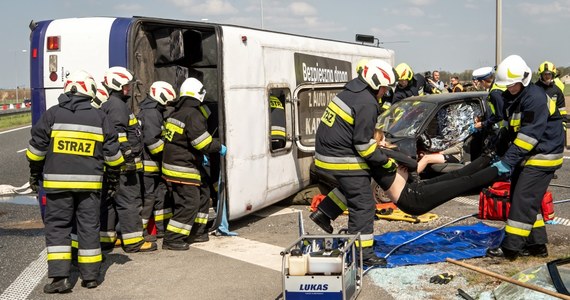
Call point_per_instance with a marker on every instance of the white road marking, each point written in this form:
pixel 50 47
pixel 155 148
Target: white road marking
pixel 28 279
pixel 253 252
pixel 22 150
pixel 15 129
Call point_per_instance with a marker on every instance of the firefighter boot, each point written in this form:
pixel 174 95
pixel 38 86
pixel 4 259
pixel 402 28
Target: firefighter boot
pixel 200 238
pixel 148 247
pixel 90 284
pixel 538 250
pixel 370 259
pixel 322 220
pixel 503 252
pixel 175 246
pixel 58 285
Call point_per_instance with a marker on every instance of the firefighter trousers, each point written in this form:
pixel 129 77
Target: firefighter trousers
pixel 186 205
pixel 62 209
pixel 361 209
pixel 525 225
pixel 201 221
pixel 155 202
pixel 127 202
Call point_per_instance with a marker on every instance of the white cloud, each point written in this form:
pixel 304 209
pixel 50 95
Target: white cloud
pixel 421 2
pixel 203 8
pixel 302 9
pixel 415 12
pixel 554 8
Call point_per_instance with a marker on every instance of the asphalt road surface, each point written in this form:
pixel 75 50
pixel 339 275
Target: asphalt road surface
pixel 244 267
pixel 13 163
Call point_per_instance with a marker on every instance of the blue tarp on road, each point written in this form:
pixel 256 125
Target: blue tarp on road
pixel 457 242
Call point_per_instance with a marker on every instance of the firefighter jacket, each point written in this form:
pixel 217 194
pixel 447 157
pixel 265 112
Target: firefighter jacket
pixel 127 127
pixel 187 140
pixel 535 131
pixel 72 141
pixel 556 97
pixel 494 113
pixel 151 120
pixel 278 131
pixel 344 139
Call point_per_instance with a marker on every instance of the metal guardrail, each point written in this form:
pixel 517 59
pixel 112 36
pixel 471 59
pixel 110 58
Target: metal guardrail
pixel 8 112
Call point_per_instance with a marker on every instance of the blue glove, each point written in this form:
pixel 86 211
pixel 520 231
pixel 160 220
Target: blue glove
pixel 206 162
pixel 223 150
pixel 502 167
pixel 472 128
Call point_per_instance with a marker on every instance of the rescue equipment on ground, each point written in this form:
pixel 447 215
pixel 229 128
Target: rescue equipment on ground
pixel 494 203
pixel 395 214
pixel 322 267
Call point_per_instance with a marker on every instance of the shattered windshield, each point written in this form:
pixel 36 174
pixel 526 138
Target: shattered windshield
pixel 405 118
pixel 452 123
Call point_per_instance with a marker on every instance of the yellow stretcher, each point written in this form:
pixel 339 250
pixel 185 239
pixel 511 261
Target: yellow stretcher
pixel 392 213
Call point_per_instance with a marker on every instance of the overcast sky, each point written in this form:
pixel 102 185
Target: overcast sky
pixel 451 35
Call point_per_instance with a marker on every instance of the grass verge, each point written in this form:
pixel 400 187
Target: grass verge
pixel 13 121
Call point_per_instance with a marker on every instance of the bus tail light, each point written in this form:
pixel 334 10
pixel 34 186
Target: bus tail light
pixel 53 43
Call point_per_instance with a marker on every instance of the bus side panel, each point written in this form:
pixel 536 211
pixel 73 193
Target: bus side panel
pixel 36 70
pixel 254 60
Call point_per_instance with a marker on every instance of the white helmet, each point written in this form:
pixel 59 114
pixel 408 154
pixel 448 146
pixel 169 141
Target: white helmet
pixel 378 73
pixel 511 70
pixel 116 77
pixel 80 83
pixel 192 87
pixel 162 92
pixel 100 97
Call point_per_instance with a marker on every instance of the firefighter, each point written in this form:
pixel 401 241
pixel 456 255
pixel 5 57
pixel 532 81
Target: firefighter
pixel 548 73
pixel 127 199
pixel 278 131
pixel 345 149
pixel 69 146
pixel 409 84
pixel 151 118
pixel 535 152
pixel 187 140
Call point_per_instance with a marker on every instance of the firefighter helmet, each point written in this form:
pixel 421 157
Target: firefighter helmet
pixel 162 92
pixel 360 65
pixel 80 83
pixel 100 97
pixel 404 72
pixel 192 87
pixel 378 73
pixel 117 77
pixel 547 67
pixel 511 70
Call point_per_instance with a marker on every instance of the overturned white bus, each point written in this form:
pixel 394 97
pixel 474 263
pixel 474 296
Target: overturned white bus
pixel 240 68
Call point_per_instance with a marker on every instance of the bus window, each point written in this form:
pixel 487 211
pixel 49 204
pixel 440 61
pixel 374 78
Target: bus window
pixel 278 119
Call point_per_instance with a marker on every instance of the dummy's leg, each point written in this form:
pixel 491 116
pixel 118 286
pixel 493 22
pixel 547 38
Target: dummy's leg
pixel 417 199
pixel 477 165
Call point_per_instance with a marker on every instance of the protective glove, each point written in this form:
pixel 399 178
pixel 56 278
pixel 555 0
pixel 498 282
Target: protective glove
pixel 35 181
pixel 390 165
pixel 444 278
pixel 502 167
pixel 472 129
pixel 223 150
pixel 206 162
pixel 113 175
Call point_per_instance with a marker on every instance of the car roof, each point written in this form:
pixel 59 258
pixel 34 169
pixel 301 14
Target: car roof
pixel 447 97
